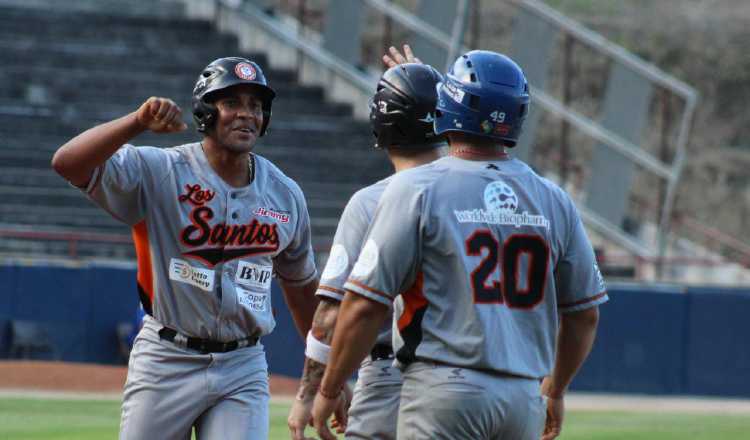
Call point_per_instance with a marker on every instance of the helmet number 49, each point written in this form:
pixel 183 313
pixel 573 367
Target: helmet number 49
pixel 497 116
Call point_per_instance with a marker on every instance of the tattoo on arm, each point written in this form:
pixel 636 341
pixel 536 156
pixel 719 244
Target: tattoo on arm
pixel 324 322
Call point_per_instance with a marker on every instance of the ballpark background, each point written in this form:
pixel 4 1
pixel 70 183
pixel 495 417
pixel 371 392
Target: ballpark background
pixel 638 111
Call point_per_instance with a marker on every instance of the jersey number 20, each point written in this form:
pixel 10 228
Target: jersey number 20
pixel 508 257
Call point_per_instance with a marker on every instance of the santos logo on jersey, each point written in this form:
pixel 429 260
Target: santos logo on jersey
pixel 227 241
pixel 501 204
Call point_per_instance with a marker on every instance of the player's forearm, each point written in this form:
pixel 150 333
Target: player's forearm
pixel 356 330
pixel 78 158
pixel 302 303
pixel 323 325
pixel 575 339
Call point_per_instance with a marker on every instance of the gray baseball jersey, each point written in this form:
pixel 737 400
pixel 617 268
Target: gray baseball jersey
pixel 206 250
pixel 375 403
pixel 347 243
pixel 486 254
pixel 206 254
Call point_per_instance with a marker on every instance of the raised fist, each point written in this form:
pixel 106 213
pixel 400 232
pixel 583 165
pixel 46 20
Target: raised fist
pixel 160 115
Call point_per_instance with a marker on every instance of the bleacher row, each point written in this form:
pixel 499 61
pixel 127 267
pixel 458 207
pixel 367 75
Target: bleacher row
pixel 67 69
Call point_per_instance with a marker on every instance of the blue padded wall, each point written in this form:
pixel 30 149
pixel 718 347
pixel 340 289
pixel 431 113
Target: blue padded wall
pixel 651 339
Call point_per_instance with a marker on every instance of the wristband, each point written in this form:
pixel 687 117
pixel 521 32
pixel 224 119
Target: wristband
pixel 317 350
pixel 331 396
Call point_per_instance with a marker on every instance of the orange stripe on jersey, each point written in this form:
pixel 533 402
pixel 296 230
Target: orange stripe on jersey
pixel 143 255
pixel 332 289
pixel 414 300
pixel 583 301
pixel 370 289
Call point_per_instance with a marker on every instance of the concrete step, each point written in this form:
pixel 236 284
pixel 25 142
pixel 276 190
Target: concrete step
pixel 142 35
pixel 93 55
pixel 87 61
pixel 19 9
pixel 111 82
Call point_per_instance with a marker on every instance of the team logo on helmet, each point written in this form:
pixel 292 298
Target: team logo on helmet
pixel 500 197
pixel 486 126
pixel 245 71
pixel 428 119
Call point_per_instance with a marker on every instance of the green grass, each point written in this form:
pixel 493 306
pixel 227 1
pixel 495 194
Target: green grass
pixel 59 419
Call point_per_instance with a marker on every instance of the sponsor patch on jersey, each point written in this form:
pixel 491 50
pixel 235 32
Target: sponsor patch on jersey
pixel 367 261
pixel 282 217
pixel 181 271
pixel 500 206
pixel 338 261
pixel 256 276
pixel 253 301
pixel 245 71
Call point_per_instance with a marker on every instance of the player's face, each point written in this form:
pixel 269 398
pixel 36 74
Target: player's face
pixel 239 121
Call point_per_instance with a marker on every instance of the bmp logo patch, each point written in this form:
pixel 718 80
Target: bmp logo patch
pixel 255 276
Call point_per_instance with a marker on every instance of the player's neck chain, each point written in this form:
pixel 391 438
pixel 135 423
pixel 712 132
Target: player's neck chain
pixel 250 165
pixel 252 168
pixel 478 153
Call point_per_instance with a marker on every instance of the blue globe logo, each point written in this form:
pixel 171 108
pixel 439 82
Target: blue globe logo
pixel 499 197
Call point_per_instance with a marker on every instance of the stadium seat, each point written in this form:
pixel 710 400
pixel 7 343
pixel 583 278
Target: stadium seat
pixel 28 340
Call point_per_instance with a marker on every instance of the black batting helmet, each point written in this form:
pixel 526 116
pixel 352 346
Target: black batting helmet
pixel 224 73
pixel 402 111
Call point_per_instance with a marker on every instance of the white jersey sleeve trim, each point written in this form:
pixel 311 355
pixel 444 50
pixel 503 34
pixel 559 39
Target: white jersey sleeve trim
pixel 300 282
pixel 93 182
pixel 368 292
pixel 585 303
pixel 330 292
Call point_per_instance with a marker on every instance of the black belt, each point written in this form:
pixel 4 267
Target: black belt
pixel 205 345
pixel 381 351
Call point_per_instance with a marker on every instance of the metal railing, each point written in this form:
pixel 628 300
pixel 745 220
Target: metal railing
pixel 670 172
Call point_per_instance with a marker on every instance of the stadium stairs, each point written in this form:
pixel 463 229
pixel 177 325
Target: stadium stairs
pixel 68 68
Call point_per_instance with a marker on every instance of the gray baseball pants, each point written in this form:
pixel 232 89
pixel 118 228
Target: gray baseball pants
pixel 374 409
pixel 448 403
pixel 170 389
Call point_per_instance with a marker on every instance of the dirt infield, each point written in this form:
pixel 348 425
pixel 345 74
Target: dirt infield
pixel 88 378
pixel 71 380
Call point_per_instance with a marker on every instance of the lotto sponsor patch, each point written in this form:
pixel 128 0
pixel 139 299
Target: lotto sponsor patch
pixel 182 272
pixel 256 276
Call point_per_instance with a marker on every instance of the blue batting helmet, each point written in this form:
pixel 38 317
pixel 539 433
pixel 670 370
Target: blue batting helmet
pixel 484 94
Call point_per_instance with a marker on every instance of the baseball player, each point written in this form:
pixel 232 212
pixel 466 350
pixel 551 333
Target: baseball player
pixel 212 223
pixel 401 115
pixel 485 253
